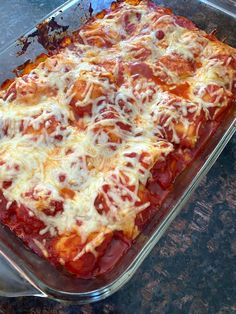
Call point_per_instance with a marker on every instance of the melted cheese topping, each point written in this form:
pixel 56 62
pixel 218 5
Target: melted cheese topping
pixel 92 120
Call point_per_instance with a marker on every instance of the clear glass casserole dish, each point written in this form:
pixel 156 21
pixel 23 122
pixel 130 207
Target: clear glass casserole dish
pixel 41 278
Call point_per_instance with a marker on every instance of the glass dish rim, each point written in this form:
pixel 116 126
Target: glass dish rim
pixel 101 293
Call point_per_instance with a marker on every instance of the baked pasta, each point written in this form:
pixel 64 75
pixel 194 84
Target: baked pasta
pixel 94 134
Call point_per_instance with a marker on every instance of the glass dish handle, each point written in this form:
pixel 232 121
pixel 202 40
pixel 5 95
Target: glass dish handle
pixel 12 284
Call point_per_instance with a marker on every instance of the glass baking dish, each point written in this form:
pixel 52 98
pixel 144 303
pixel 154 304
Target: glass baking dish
pixel 22 272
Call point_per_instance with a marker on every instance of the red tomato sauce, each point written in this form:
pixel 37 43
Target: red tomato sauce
pixel 163 174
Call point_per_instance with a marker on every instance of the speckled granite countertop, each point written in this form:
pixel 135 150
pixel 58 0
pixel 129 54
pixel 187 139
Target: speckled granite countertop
pixel 193 267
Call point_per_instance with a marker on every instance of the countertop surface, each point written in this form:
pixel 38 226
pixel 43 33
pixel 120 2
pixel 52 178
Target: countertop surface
pixel 193 267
